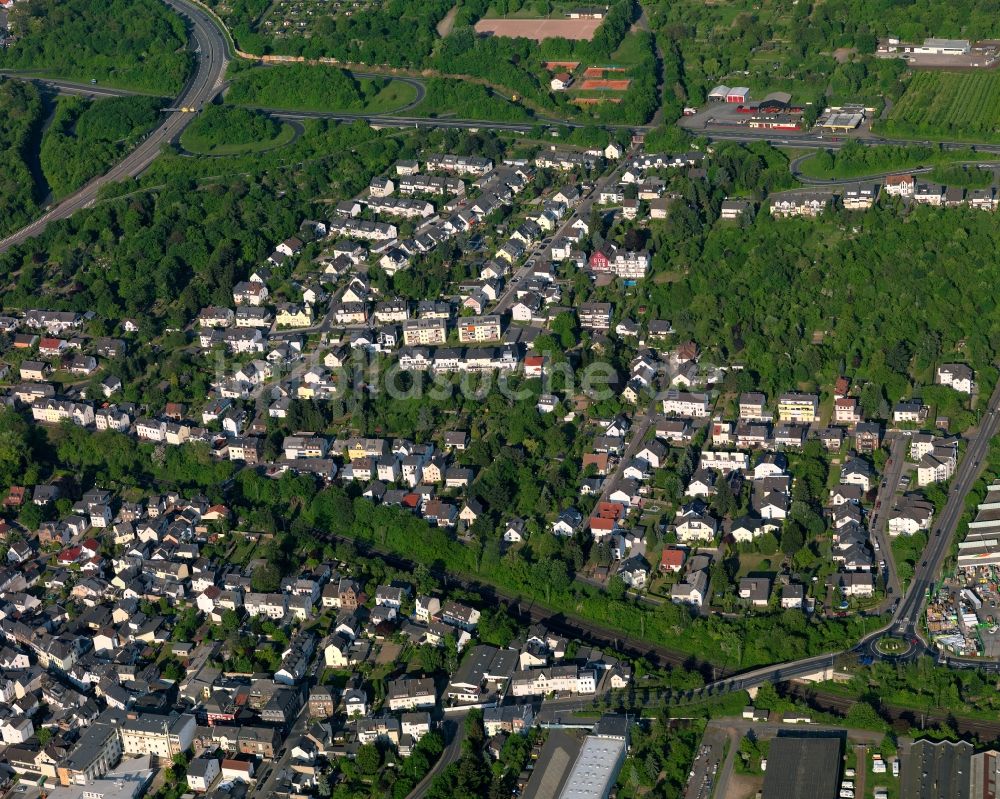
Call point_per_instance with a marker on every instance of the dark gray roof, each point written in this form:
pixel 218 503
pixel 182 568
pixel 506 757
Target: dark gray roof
pixel 799 766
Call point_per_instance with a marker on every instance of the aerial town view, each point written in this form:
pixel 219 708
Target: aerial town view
pixel 472 399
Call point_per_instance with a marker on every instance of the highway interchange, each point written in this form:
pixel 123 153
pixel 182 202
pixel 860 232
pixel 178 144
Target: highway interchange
pixel 205 82
pixel 211 49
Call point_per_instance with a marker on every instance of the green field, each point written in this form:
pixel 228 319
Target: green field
pixel 200 145
pixel 962 106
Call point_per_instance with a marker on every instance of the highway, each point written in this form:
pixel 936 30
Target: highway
pixel 206 81
pixel 91 91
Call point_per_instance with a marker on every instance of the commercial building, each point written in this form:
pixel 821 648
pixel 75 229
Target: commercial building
pixel 981 546
pixel 98 750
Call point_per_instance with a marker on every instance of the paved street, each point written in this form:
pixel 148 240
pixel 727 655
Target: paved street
pixel 880 517
pixel 453 727
pixel 970 466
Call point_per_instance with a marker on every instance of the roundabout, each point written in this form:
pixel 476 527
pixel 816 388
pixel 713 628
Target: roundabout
pixel 892 647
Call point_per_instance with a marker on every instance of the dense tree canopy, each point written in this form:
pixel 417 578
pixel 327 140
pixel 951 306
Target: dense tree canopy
pixel 137 44
pixel 20 117
pixel 85 138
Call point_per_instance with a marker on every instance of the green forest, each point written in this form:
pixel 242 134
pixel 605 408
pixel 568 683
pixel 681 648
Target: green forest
pixel 20 118
pixel 135 44
pixel 800 302
pixel 297 86
pixel 85 138
pixel 465 100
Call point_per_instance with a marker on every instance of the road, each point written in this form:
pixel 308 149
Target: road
pixel 206 81
pixel 266 789
pixel 795 164
pixel 907 618
pixel 89 90
pixel 453 727
pixel 640 428
pixel 879 520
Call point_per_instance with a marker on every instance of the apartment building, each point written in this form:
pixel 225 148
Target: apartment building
pixel 424 332
pixel 476 329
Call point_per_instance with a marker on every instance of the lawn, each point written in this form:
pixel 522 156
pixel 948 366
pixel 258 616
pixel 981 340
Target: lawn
pixel 963 106
pixel 906 552
pixel 632 50
pixel 394 96
pixel 199 145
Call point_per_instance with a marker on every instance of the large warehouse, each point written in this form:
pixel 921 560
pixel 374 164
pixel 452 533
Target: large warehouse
pixel 943 47
pixel 800 766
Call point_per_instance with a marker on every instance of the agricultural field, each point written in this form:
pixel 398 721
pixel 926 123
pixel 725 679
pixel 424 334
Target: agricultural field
pixel 963 106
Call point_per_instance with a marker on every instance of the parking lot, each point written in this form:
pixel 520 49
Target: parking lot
pixel 705 769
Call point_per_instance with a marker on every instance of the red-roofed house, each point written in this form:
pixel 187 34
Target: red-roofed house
pixel 92 545
pixel 51 347
pixel 599 459
pixel 561 81
pixel 411 501
pixel 216 513
pixel 533 365
pixel 672 560
pixel 600 527
pixel 599 261
pixel 15 497
pixel 900 185
pixel 609 510
pixel 70 555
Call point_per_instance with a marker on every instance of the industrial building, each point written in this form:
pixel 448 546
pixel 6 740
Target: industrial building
pixel 932 769
pixel 572 766
pixel 600 759
pixel 727 94
pixel 981 547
